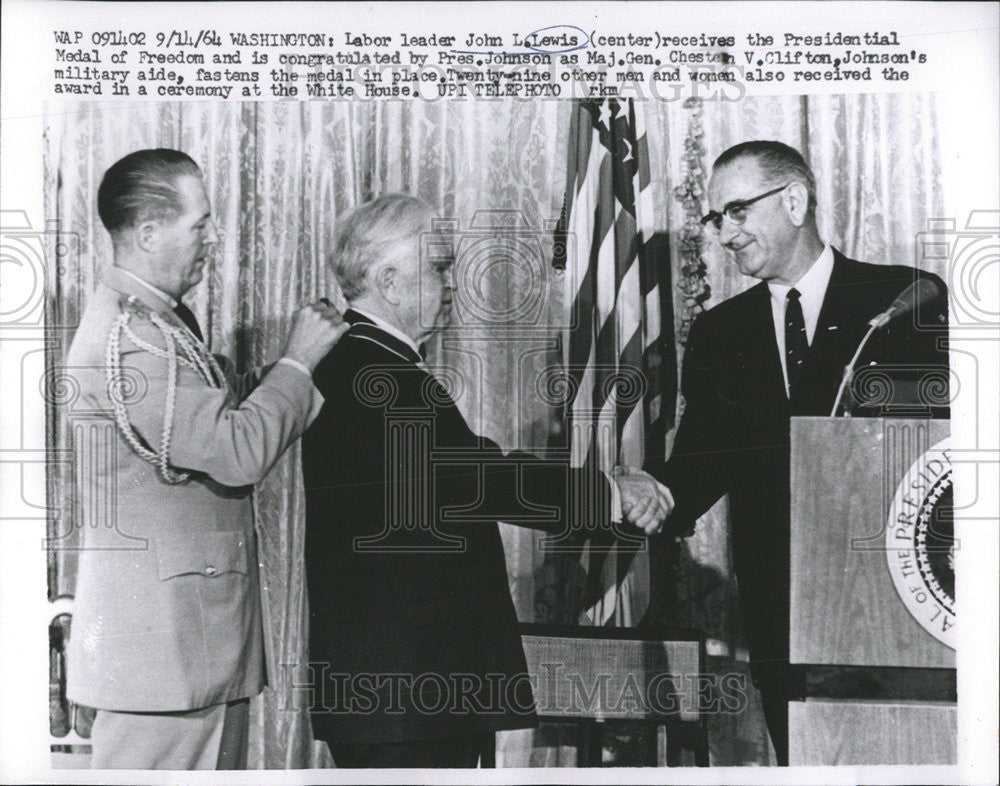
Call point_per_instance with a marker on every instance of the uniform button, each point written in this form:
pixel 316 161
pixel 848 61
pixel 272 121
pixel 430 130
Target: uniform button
pixel 210 570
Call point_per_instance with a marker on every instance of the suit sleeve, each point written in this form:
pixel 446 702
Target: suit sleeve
pixel 526 490
pixel 407 449
pixel 697 472
pixel 210 430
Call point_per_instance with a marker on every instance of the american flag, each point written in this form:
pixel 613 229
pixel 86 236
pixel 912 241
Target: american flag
pixel 619 351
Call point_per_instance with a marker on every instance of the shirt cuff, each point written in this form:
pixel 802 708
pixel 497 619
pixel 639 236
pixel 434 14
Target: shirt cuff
pixel 616 499
pixel 296 364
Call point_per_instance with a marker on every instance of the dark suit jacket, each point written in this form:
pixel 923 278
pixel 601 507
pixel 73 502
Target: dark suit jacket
pixel 413 633
pixel 734 434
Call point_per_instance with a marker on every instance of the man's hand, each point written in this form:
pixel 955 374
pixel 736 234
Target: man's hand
pixel 316 328
pixel 645 503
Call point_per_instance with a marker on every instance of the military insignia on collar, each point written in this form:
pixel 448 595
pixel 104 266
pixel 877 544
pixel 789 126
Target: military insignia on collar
pixel 132 305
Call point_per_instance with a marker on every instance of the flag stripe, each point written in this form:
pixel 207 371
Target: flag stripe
pixel 614 287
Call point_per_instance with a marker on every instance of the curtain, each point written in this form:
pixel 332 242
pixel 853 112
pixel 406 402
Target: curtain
pixel 279 174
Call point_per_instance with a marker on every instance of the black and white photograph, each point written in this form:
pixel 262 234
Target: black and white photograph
pixel 463 393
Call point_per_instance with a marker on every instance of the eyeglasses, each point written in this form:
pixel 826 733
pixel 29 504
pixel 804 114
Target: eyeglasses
pixel 736 211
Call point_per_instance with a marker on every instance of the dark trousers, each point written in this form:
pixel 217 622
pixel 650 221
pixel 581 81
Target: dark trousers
pixel 455 752
pixel 774 681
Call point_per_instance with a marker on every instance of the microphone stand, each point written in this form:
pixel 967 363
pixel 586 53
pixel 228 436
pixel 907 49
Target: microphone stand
pixel 917 293
pixel 874 325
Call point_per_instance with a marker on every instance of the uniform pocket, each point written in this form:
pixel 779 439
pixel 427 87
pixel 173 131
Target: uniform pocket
pixel 207 553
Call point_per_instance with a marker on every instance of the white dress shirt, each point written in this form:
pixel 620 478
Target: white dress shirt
pixel 812 290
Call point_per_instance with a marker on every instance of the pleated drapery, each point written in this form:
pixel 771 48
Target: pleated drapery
pixel 279 174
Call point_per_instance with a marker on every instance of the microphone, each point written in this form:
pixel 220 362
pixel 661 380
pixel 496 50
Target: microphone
pixel 921 291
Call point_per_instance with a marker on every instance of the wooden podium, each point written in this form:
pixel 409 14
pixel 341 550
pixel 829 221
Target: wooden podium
pixel 870 613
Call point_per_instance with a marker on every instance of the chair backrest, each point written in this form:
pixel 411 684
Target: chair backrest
pixel 615 674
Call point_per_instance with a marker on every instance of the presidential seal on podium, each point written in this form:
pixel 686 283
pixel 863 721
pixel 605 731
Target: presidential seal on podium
pixel 920 543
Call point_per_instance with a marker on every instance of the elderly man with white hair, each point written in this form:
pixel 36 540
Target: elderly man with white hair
pixel 414 646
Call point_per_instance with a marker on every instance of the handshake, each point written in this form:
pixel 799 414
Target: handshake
pixel 645 502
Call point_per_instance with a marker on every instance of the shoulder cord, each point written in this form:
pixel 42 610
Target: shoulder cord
pixel 192 356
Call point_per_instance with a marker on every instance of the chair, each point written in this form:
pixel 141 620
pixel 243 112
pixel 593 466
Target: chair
pixel 587 676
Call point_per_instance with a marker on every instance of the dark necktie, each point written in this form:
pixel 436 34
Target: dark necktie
pixel 184 315
pixel 796 346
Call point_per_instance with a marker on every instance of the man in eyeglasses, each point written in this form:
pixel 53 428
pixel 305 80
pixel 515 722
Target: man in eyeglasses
pixel 777 350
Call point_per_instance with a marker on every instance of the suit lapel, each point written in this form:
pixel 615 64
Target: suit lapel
pixel 421 391
pixel 836 317
pixel 838 332
pixel 432 393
